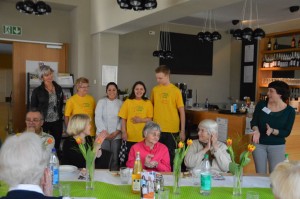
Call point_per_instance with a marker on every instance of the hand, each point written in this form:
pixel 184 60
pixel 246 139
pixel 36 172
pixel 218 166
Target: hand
pixel 148 159
pixel 207 147
pixel 153 164
pixel 113 135
pixel 214 141
pixel 182 135
pixel 136 119
pixel 46 182
pixel 256 136
pixel 101 137
pixel 269 130
pixel 124 136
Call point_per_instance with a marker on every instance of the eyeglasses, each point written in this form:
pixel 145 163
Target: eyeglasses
pixel 34 120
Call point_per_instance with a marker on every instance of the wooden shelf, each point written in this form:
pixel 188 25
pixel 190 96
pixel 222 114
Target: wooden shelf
pixel 287 50
pixel 280 68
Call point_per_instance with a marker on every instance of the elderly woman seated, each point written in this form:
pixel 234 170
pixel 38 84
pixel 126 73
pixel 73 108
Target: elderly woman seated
pixel 154 155
pixel 285 180
pixel 208 143
pixel 23 166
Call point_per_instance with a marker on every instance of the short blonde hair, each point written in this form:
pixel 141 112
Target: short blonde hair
pixel 77 124
pixel 163 69
pixel 285 180
pixel 81 80
pixel 44 70
pixel 210 125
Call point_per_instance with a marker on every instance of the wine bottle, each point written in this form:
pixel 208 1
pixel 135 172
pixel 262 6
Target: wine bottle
pixel 136 174
pixel 269 46
pixel 293 44
pixel 275 46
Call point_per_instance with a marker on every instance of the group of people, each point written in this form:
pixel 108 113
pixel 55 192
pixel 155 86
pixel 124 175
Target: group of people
pixel 149 126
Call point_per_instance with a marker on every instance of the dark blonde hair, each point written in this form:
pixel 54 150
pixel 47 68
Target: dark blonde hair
pixel 78 123
pixel 163 69
pixel 44 70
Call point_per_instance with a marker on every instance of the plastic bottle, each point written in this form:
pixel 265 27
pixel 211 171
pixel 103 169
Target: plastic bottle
pixel 54 167
pixel 286 157
pixel 205 177
pixel 206 103
pixel 136 174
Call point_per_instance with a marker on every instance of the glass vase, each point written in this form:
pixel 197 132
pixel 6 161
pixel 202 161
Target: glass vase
pixel 177 179
pixel 237 181
pixel 90 171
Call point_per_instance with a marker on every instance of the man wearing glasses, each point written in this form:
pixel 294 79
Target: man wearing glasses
pixel 34 122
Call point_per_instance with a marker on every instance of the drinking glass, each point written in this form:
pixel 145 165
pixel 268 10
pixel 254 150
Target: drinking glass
pixel 163 194
pixel 196 176
pixel 125 175
pixel 64 190
pixel 252 195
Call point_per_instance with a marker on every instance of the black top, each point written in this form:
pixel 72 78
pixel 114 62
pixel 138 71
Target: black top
pixel 72 154
pixel 282 121
pixel 23 194
pixel 40 99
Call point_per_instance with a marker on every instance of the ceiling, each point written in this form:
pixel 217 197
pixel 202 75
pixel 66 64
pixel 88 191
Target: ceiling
pixel 269 12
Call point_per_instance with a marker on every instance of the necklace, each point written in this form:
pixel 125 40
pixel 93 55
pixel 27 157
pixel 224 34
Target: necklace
pixel 50 88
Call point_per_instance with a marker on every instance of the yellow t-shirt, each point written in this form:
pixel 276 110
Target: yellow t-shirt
pixel 84 105
pixel 132 108
pixel 166 101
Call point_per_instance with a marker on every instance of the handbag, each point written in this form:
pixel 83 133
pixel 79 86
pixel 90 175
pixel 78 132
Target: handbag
pixel 123 153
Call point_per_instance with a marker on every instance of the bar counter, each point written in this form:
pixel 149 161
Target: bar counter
pixel 236 128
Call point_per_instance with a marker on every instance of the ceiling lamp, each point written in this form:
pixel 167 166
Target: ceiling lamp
pixel 206 35
pixel 33 7
pixel 248 33
pixel 164 50
pixel 137 5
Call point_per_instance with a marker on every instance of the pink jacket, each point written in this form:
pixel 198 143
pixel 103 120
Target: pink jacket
pixel 160 152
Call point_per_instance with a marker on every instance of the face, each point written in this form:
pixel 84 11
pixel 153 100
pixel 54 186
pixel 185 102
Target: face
pixel 111 92
pixel 87 129
pixel 273 95
pixel 152 136
pixel 203 134
pixel 162 79
pixel 48 77
pixel 83 89
pixel 139 91
pixel 34 122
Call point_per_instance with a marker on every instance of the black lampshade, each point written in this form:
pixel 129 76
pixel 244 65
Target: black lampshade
pixel 161 54
pixel 155 53
pixel 259 33
pixel 247 33
pixel 150 4
pixel 169 55
pixel 207 36
pixel 237 34
pixel 138 8
pixel 137 5
pixel 200 36
pixel 30 7
pixel 216 36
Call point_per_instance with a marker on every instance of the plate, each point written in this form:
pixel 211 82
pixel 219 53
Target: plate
pixel 67 168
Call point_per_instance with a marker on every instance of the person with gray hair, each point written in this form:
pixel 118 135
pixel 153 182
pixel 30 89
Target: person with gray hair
pixel 49 99
pixel 23 156
pixel 208 143
pixel 154 155
pixel 285 180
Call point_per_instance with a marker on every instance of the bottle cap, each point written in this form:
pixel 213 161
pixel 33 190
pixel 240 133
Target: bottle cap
pixel 53 150
pixel 286 155
pixel 206 156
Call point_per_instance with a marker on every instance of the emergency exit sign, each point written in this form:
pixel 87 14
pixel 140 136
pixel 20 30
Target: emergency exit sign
pixel 12 30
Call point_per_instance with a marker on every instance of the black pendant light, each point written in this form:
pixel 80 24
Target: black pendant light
pixel 164 50
pixel 206 35
pixel 33 7
pixel 137 5
pixel 237 34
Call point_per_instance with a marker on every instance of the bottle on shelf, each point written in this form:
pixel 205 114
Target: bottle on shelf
pixel 293 43
pixel 269 45
pixel 275 46
pixel 286 157
pixel 205 176
pixel 206 103
pixel 136 174
pixel 54 168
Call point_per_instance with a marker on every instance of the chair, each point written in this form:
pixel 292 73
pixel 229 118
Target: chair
pixel 103 162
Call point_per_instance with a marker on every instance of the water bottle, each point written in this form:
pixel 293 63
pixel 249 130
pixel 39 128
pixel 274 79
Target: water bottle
pixel 286 157
pixel 205 177
pixel 54 167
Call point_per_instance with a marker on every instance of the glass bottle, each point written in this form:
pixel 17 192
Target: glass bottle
pixel 136 174
pixel 286 157
pixel 275 46
pixel 269 45
pixel 293 43
pixel 205 176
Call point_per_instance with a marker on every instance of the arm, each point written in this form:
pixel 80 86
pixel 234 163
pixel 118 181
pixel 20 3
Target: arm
pixel 66 121
pixel 68 111
pixel 34 99
pixel 164 162
pixel 131 158
pixel 254 124
pixel 182 123
pixel 194 156
pixel 99 115
pixel 222 157
pixel 124 132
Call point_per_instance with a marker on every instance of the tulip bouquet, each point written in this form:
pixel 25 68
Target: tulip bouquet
pixel 89 153
pixel 180 152
pixel 237 168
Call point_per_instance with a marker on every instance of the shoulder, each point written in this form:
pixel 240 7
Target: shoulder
pixel 57 86
pixel 90 97
pixel 161 146
pixel 221 144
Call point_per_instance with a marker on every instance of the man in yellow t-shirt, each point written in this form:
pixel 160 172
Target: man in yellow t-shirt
pixel 167 101
pixel 82 103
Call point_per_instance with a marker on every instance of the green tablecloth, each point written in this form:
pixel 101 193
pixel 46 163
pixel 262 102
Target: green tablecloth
pixel 109 191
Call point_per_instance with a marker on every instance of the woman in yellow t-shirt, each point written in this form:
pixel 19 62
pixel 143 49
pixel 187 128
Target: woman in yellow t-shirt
pixel 135 112
pixel 81 103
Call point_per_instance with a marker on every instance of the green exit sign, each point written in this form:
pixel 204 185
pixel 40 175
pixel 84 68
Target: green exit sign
pixel 12 30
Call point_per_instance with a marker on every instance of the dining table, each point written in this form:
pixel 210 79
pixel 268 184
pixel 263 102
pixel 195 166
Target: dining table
pixel 108 186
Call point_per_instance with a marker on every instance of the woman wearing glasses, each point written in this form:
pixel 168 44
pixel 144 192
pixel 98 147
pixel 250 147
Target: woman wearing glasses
pixel 81 103
pixel 48 98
